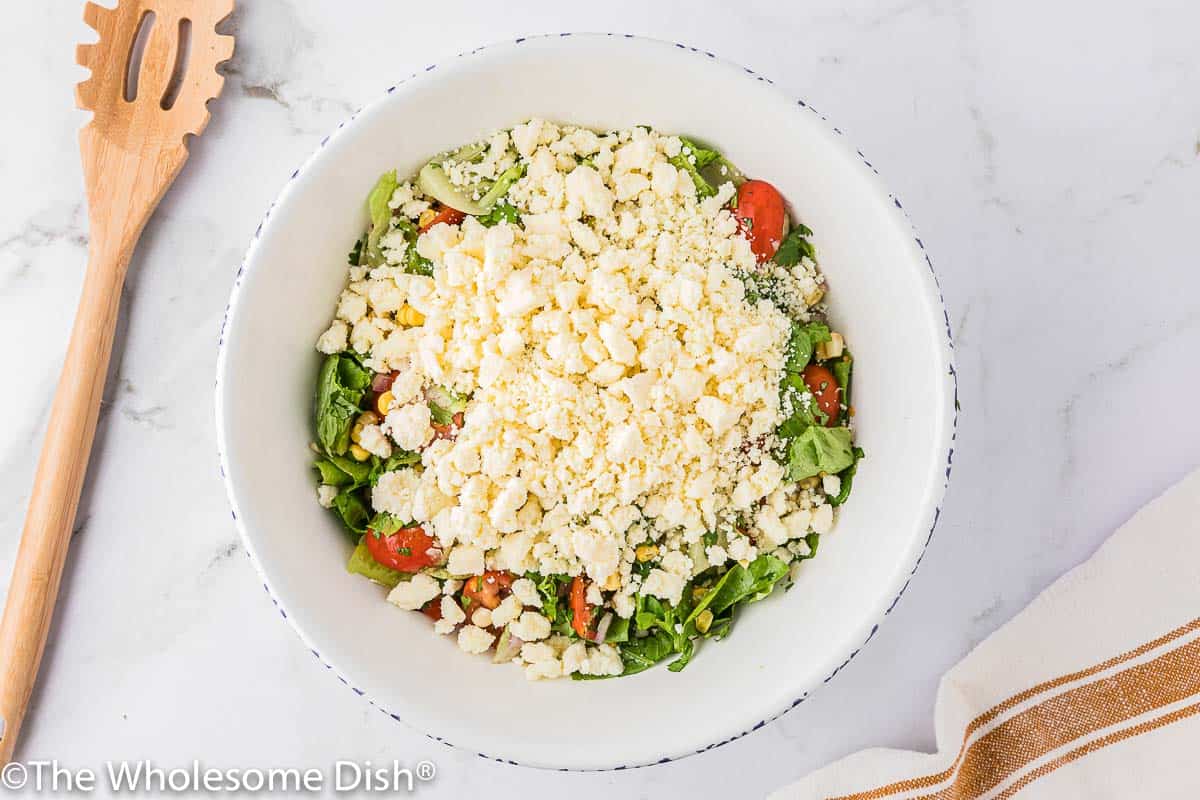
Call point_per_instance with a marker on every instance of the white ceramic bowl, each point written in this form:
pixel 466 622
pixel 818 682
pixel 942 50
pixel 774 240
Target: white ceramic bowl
pixel 884 297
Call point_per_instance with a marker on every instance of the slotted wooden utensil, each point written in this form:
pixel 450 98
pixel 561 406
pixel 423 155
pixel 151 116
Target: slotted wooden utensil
pixel 153 73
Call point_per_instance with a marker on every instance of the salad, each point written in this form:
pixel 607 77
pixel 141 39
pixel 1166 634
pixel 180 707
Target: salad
pixel 580 403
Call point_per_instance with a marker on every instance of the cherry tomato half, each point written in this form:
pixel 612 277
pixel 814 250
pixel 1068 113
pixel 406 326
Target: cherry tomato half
pixel 582 612
pixel 446 214
pixel 824 387
pixel 406 550
pixel 433 609
pixel 487 589
pixel 448 431
pixel 760 213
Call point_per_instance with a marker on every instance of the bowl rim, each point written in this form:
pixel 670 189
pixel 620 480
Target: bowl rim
pixel 931 511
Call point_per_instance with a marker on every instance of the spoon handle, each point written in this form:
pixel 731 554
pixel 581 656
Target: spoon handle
pixel 57 484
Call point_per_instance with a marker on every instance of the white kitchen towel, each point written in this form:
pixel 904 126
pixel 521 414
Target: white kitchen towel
pixel 1093 691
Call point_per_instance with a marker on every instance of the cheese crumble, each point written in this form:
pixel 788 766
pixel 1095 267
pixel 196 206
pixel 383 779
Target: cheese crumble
pixel 621 375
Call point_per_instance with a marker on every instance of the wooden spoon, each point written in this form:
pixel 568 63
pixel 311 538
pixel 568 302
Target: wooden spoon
pixel 153 72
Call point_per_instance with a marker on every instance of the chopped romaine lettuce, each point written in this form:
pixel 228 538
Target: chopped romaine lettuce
pixel 352 508
pixel 659 630
pixel 819 449
pixel 618 631
pixel 805 414
pixel 795 246
pixel 434 182
pixel 397 460
pixel 444 403
pixel 549 588
pixel 691 159
pixel 501 212
pixel 847 478
pixel 842 369
pixel 642 653
pixel 356 252
pixel 342 471
pixel 380 213
pixel 804 340
pixel 361 563
pixel 385 524
pixel 340 388
pixel 500 188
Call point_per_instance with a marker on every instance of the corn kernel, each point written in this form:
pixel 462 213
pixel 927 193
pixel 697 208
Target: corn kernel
pixel 698 593
pixel 645 552
pixel 358 453
pixel 613 583
pixel 356 432
pixel 384 403
pixel 837 345
pixel 368 418
pixel 426 217
pixel 831 349
pixel 809 483
pixel 814 297
pixel 407 315
pixel 704 621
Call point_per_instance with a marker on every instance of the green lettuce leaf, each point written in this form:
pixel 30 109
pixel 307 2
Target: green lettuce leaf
pixel 548 587
pixel 691 159
pixel 500 188
pixel 380 214
pixel 356 252
pixel 803 342
pixel 501 212
pixel 642 653
pixel 819 449
pixel 352 508
pixel 842 370
pixel 685 649
pixel 803 417
pixel 399 459
pixel 847 476
pixel 795 246
pixel 361 563
pixel 385 524
pixel 618 631
pixel 414 263
pixel 342 471
pixel 341 385
pixel 444 403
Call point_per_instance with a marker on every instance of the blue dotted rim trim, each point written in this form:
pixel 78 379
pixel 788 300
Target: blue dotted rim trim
pixel 221 355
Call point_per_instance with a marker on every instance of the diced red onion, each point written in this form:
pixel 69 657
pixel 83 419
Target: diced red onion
pixel 602 628
pixel 508 650
pixel 382 381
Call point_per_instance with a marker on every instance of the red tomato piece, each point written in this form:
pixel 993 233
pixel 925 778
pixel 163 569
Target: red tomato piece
pixel 406 550
pixel 448 431
pixel 582 612
pixel 487 589
pixel 760 214
pixel 824 387
pixel 446 214
pixel 433 609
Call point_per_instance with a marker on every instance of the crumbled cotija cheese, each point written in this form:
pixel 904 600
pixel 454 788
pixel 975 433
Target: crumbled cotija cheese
pixel 615 362
pixel 623 383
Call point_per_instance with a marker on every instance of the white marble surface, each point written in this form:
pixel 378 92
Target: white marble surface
pixel 1049 154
